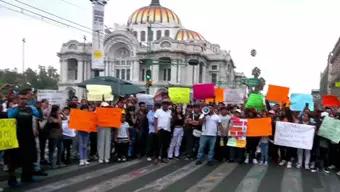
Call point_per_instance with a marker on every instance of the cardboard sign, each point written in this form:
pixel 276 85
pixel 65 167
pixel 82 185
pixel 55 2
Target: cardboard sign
pixel 99 93
pixel 204 91
pixel 237 133
pixel 337 84
pixel 294 135
pixel 109 117
pixel 8 134
pixel 330 101
pixel 54 97
pixel 277 94
pixel 83 121
pixel 259 127
pixel 179 95
pixel 219 96
pixel 234 96
pixel 298 102
pixel 330 129
pixel 255 101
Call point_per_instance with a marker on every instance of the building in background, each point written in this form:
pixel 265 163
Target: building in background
pixel 330 77
pixel 179 55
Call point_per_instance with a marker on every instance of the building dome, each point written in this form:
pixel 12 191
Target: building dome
pixel 154 13
pixel 188 35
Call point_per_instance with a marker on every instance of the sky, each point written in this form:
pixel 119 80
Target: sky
pixel 292 37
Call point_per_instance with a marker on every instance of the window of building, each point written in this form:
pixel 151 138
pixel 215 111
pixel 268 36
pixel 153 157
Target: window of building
pixel 118 73
pixel 200 77
pixel 167 33
pixel 135 33
pixel 169 74
pixel 214 67
pixel 142 75
pixel 166 74
pixel 150 35
pixel 128 71
pixel 159 34
pixel 122 74
pixel 214 78
pixel 142 36
pixel 72 69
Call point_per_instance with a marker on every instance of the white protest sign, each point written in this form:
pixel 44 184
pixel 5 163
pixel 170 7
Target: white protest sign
pixel 294 135
pixel 234 96
pixel 54 97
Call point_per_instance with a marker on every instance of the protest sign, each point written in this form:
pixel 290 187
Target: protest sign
pixel 330 129
pixel 298 102
pixel 54 97
pixel 337 84
pixel 99 93
pixel 330 101
pixel 259 127
pixel 147 99
pixel 204 91
pixel 109 117
pixel 8 134
pixel 219 96
pixel 179 95
pixel 237 133
pixel 294 135
pixel 234 96
pixel 255 101
pixel 277 94
pixel 83 121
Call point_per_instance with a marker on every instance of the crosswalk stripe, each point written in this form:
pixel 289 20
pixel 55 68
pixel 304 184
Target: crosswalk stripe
pixel 291 181
pixel 77 179
pixel 167 180
pixel 252 180
pixel 214 178
pixel 114 182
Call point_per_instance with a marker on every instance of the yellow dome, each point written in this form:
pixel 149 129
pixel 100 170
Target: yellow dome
pixel 188 35
pixel 154 13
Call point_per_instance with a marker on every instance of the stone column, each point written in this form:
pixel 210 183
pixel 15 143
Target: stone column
pixel 155 73
pixel 173 79
pixel 135 66
pixel 63 70
pixel 80 71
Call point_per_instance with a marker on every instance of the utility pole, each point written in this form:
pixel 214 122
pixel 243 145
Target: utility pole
pixel 148 61
pixel 23 55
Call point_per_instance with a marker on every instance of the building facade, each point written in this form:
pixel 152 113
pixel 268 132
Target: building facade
pixel 331 75
pixel 179 56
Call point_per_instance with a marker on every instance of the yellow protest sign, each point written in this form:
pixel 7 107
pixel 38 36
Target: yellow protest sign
pixel 8 134
pixel 97 92
pixel 179 95
pixel 337 84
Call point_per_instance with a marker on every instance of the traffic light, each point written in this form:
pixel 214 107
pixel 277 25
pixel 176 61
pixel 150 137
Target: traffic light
pixel 148 75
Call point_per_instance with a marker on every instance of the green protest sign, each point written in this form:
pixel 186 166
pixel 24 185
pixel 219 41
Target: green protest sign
pixel 255 101
pixel 330 129
pixel 251 82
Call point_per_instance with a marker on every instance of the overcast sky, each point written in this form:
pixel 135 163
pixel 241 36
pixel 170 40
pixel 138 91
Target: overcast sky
pixel 292 37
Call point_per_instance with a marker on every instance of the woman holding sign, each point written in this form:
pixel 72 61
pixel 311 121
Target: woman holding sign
pixel 83 142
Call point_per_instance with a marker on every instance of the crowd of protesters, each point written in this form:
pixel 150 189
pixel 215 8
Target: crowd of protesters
pixel 159 133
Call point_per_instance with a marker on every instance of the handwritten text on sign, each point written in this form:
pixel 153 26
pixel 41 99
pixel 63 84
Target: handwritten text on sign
pixel 294 135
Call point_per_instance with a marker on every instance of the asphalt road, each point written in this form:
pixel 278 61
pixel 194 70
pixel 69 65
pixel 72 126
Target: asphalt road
pixel 181 175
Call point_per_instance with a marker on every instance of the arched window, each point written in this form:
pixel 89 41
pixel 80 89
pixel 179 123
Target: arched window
pixel 150 35
pixel 159 34
pixel 72 69
pixel 142 36
pixel 167 33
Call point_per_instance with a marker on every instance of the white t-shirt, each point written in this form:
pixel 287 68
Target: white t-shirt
pixel 164 119
pixel 210 126
pixel 225 120
pixel 123 131
pixel 66 130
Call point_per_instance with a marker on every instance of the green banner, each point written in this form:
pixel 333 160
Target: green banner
pixel 330 129
pixel 255 101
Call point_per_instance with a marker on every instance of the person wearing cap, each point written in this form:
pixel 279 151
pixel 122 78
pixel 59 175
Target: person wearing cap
pixel 104 141
pixel 163 118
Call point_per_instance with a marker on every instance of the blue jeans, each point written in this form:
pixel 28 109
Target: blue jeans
pixel 204 142
pixel 264 152
pixel 83 141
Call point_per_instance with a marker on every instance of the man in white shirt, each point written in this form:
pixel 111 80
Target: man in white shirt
pixel 210 126
pixel 162 126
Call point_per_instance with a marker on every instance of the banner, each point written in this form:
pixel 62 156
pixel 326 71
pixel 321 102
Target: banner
pixel 83 121
pixel 98 38
pixel 179 95
pixel 204 91
pixel 294 135
pixel 234 96
pixel 330 129
pixel 147 99
pixel 109 117
pixel 277 94
pixel 219 96
pixel 298 102
pixel 255 101
pixel 8 134
pixel 237 133
pixel 330 101
pixel 259 127
pixel 99 93
pixel 54 97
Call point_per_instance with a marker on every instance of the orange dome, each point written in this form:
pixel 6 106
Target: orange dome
pixel 154 13
pixel 188 35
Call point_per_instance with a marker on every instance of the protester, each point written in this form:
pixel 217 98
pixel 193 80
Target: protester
pixel 68 136
pixel 83 138
pixel 55 136
pixel 122 140
pixel 177 133
pixel 152 141
pixel 104 141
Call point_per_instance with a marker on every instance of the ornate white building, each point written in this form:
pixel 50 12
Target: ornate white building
pixel 180 56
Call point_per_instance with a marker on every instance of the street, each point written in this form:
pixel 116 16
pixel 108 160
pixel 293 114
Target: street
pixel 180 175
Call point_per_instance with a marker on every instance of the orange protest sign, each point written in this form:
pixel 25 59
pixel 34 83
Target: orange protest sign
pixel 259 127
pixel 83 121
pixel 277 93
pixel 219 96
pixel 109 117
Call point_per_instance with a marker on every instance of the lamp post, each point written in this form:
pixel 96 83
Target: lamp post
pixel 23 55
